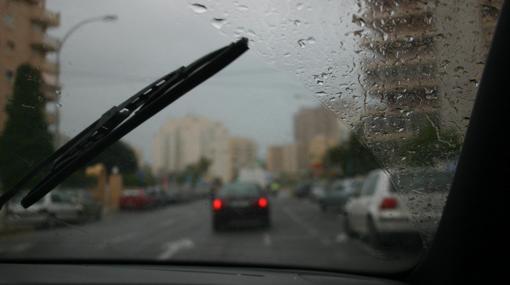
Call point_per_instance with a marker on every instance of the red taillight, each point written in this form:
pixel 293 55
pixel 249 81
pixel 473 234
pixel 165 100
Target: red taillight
pixel 388 203
pixel 217 204
pixel 262 202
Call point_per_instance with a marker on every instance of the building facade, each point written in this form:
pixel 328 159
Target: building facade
pixel 283 159
pixel 243 154
pixel 422 61
pixel 308 124
pixel 184 141
pixel 23 39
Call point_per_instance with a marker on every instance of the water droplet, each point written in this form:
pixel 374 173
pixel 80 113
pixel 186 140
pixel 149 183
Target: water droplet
pixel 59 105
pixel 474 81
pixel 297 23
pixel 27 106
pixel 218 22
pixel 401 130
pixel 321 93
pixel 198 8
pixel 458 68
pixel 301 43
pixel 242 8
pixel 287 54
pixel 311 40
pixel 300 6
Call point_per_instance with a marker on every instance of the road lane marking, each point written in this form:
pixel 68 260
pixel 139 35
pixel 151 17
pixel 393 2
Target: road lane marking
pixel 267 240
pixel 171 248
pixel 311 231
pixel 341 238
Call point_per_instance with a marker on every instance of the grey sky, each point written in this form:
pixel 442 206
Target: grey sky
pixel 104 63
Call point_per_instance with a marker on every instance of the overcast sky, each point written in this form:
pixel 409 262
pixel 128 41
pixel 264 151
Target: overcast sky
pixel 104 63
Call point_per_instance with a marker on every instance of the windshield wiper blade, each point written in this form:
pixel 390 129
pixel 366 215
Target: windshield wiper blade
pixel 122 119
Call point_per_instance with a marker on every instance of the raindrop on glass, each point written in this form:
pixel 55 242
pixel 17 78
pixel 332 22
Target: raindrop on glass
pixel 301 43
pixel 242 8
pixel 198 8
pixel 218 23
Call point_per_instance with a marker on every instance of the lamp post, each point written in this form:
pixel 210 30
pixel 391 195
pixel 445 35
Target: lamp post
pixel 105 18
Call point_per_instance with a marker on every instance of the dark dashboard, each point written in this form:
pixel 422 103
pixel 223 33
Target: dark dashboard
pixel 13 273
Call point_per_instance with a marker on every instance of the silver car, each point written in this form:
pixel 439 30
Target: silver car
pixel 52 209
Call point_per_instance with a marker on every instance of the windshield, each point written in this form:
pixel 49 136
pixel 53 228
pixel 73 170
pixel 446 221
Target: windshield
pixel 240 189
pixel 378 91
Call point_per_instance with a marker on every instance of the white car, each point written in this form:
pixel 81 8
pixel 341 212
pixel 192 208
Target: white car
pixel 53 207
pixel 377 213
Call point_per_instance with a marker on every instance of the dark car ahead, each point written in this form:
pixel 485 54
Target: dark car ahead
pixel 238 203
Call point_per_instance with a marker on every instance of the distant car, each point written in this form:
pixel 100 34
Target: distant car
pixel 303 190
pixel 240 202
pixel 377 214
pixel 337 195
pixel 55 207
pixel 136 199
pixel 318 190
pixel 92 210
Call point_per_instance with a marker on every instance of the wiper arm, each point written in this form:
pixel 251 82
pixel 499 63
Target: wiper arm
pixel 122 119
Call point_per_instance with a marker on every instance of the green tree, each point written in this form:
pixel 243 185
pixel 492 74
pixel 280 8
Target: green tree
pixel 119 154
pixel 26 139
pixel 349 159
pixel 430 145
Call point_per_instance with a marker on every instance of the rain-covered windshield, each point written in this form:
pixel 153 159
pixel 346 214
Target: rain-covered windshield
pixel 379 91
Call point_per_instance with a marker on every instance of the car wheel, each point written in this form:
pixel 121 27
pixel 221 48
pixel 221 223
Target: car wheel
pixel 217 226
pixel 266 222
pixel 373 236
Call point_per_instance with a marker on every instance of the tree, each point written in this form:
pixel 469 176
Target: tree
pixel 430 145
pixel 351 159
pixel 119 154
pixel 26 139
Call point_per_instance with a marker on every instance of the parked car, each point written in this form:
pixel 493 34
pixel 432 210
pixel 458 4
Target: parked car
pixel 378 214
pixel 55 207
pixel 337 194
pixel 318 190
pixel 136 199
pixel 92 210
pixel 240 202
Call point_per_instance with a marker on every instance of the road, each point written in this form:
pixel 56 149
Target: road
pixel 300 235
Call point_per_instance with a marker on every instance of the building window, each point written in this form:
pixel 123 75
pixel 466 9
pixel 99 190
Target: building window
pixel 8 20
pixel 9 75
pixel 11 45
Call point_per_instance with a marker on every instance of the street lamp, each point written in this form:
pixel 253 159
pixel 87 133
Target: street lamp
pixel 105 19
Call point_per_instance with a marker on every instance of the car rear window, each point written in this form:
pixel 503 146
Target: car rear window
pixel 240 189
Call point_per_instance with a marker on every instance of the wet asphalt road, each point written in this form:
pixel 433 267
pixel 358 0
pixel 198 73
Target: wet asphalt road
pixel 300 235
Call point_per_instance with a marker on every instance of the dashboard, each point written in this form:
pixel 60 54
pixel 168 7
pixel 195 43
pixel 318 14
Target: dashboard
pixel 157 274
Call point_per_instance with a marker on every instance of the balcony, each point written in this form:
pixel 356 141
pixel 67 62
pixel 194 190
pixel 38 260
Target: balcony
pixel 51 118
pixel 46 18
pixel 49 67
pixel 50 87
pixel 43 42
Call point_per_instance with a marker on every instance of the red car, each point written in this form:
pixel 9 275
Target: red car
pixel 135 199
